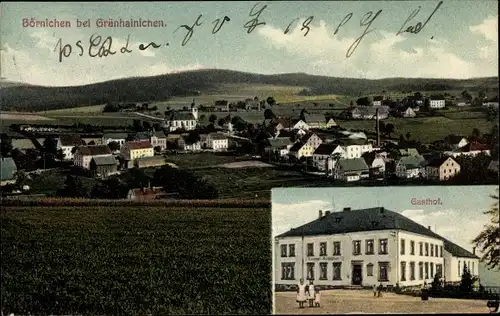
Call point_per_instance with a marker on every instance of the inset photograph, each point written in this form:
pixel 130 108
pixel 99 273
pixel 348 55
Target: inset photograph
pixel 386 250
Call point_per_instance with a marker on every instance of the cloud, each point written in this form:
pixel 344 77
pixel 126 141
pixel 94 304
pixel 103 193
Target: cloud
pixel 42 66
pixel 380 54
pixel 288 216
pixel 488 29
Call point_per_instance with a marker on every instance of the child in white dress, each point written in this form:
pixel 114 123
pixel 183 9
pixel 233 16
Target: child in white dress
pixel 301 294
pixel 312 294
pixel 317 301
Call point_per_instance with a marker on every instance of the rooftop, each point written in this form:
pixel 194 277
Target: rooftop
pixel 138 145
pixel 96 150
pixel 71 140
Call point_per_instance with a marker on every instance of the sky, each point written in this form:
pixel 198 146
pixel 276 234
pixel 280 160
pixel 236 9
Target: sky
pixel 458 218
pixel 460 40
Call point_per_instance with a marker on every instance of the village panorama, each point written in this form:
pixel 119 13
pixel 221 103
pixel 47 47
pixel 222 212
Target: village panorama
pixel 241 148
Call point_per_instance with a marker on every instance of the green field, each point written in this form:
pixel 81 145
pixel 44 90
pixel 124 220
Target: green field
pixel 135 260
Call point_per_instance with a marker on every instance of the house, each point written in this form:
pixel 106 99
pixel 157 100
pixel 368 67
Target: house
pixel 186 143
pixel 316 121
pixel 146 194
pixel 300 125
pixel 413 152
pixel 462 102
pixel 66 143
pixel 355 147
pixel 119 138
pixel 217 141
pixel 278 146
pixel 331 123
pixel 408 167
pixel 158 139
pixel 136 149
pixel 493 166
pixel 456 142
pixel 187 120
pixel 326 155
pixel 103 166
pixel 369 113
pixel 92 139
pixel 364 247
pixel 377 100
pixel 349 170
pixel 408 112
pixel 442 168
pixel 84 154
pixel 147 162
pixel 436 102
pixel 306 146
pixel 493 102
pixel 221 105
pixel 8 170
pixel 375 162
pixel 455 258
pixel 472 149
pixel 252 105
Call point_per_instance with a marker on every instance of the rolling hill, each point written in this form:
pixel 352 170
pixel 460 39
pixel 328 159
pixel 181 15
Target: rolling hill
pixel 209 81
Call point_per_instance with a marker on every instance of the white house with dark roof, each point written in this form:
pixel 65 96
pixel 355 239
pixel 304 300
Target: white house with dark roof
pixel 408 167
pixel 355 147
pixel 84 154
pixel 437 102
pixel 455 257
pixel 217 141
pixel 350 170
pixel 377 100
pixel 66 143
pixel 324 156
pixel 119 138
pixel 365 247
pixel 182 120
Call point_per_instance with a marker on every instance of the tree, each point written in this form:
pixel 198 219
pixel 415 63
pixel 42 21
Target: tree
pixel 389 129
pixel 5 145
pixel 221 122
pixel 467 280
pixel 271 101
pixel 364 101
pixel 73 187
pixel 481 95
pixel 351 103
pixel 466 95
pixel 137 126
pixel 417 95
pixel 146 126
pixel 50 145
pixel 109 107
pixel 408 136
pixel 114 146
pixel 302 115
pixel 489 239
pixel 269 115
pixel 212 118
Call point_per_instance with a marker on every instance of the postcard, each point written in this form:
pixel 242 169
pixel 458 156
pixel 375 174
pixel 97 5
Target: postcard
pixel 382 250
pixel 140 141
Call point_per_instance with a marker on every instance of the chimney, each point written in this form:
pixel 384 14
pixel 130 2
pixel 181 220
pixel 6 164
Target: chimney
pixel 474 251
pixel 347 209
pixel 327 213
pixel 429 227
pixel 320 213
pixel 378 128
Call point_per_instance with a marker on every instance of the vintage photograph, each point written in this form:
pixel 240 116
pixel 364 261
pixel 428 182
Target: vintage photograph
pixel 140 141
pixel 379 250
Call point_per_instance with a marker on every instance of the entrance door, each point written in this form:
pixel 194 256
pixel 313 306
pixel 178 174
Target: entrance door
pixel 357 274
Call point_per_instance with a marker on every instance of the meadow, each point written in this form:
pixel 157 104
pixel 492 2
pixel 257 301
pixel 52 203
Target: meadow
pixel 131 260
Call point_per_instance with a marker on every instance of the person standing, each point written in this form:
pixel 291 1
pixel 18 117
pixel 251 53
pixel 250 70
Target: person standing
pixel 301 294
pixel 375 290
pixel 317 302
pixel 311 293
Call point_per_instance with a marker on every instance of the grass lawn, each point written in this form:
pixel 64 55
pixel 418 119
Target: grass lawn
pixel 135 260
pixel 425 129
pixel 201 160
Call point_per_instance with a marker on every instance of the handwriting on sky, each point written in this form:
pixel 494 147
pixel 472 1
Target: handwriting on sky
pixel 98 46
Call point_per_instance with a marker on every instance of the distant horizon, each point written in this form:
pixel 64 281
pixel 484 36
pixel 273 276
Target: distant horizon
pixel 7 80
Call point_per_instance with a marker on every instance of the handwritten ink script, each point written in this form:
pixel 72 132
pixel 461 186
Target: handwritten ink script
pixel 99 46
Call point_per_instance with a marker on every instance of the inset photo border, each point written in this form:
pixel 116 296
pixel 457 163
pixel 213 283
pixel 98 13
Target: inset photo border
pixel 380 250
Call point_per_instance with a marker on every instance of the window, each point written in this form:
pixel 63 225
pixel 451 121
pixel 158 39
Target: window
pixel 459 272
pixel 310 271
pixel 439 269
pixel 356 247
pixel 383 269
pixel 421 249
pixel 402 247
pixel 288 271
pixel 310 250
pixel 432 270
pixel 291 250
pixel 436 252
pixel 336 270
pixel 472 271
pixel 383 247
pixel 283 250
pixel 420 270
pixel 441 251
pixel 336 248
pixel 412 248
pixel 432 250
pixel 412 271
pixel 369 247
pixel 426 265
pixel 323 271
pixel 322 249
pixel 369 269
pixel 403 271
pixel 426 249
